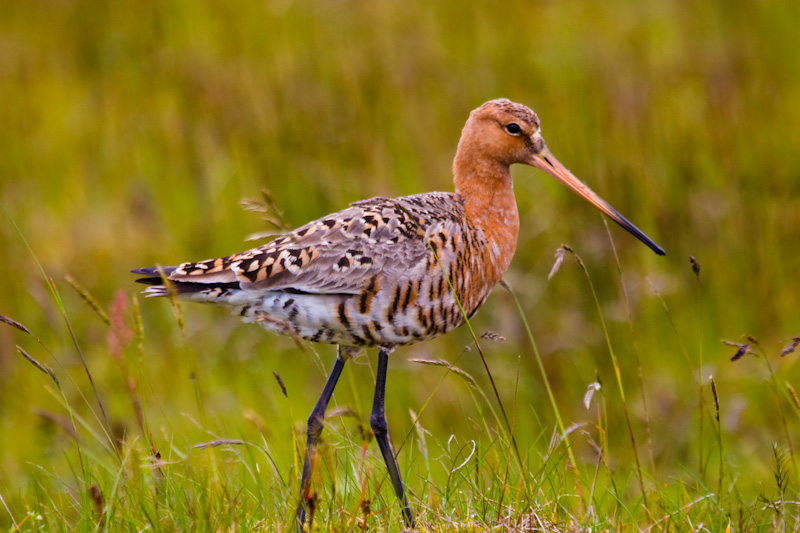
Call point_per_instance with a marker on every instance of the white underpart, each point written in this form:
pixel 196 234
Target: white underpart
pixel 314 316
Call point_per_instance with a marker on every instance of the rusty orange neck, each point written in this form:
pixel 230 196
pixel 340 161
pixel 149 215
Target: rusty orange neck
pixel 486 188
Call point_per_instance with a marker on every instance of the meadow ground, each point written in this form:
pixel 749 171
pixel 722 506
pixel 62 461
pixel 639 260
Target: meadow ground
pixel 130 131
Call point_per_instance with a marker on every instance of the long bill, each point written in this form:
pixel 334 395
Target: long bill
pixel 545 161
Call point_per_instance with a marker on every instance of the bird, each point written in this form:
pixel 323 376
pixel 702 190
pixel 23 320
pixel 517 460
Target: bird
pixel 387 272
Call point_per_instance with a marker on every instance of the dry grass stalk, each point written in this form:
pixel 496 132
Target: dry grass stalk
pixel 88 298
pixel 14 324
pixel 636 353
pixel 138 328
pixel 270 212
pixel 119 338
pixel 719 434
pixel 617 372
pixel 173 299
pixel 219 442
pixel 459 372
pixel 41 366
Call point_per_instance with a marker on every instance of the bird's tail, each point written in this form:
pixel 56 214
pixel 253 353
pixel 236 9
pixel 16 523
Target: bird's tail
pixel 161 285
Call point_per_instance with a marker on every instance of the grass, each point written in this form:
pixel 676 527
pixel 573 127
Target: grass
pixel 131 132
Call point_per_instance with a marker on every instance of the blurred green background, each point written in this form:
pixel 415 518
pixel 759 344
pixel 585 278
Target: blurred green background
pixel 130 131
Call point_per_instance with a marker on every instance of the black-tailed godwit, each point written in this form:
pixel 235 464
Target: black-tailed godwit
pixel 387 272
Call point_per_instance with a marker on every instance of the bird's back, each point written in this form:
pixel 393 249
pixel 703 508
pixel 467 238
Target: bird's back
pixel 382 272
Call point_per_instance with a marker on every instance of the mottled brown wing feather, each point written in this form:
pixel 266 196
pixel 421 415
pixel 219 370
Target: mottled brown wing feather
pixel 339 253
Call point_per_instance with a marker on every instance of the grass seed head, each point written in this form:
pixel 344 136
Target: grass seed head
pixel 89 299
pixel 715 394
pixel 269 209
pixel 14 324
pixel 590 390
pixel 742 349
pixel 695 266
pixel 793 395
pixel 492 336
pixel 791 348
pixel 41 366
pixel 280 383
pixel 454 369
pixel 559 255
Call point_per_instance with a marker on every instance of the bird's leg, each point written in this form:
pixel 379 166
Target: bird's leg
pixel 381 429
pixel 315 423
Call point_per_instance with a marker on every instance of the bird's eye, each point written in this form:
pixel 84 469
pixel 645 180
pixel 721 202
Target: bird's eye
pixel 513 128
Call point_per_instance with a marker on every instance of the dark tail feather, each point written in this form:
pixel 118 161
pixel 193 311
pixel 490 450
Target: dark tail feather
pixel 150 281
pixel 154 272
pixel 153 278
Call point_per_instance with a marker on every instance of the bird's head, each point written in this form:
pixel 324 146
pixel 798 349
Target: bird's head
pixel 501 132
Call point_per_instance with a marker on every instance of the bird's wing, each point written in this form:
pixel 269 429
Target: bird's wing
pixel 336 254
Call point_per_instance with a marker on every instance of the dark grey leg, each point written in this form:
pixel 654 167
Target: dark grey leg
pixel 315 423
pixel 381 429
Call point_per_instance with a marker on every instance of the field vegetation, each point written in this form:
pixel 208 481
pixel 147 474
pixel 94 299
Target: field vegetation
pixel 131 131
